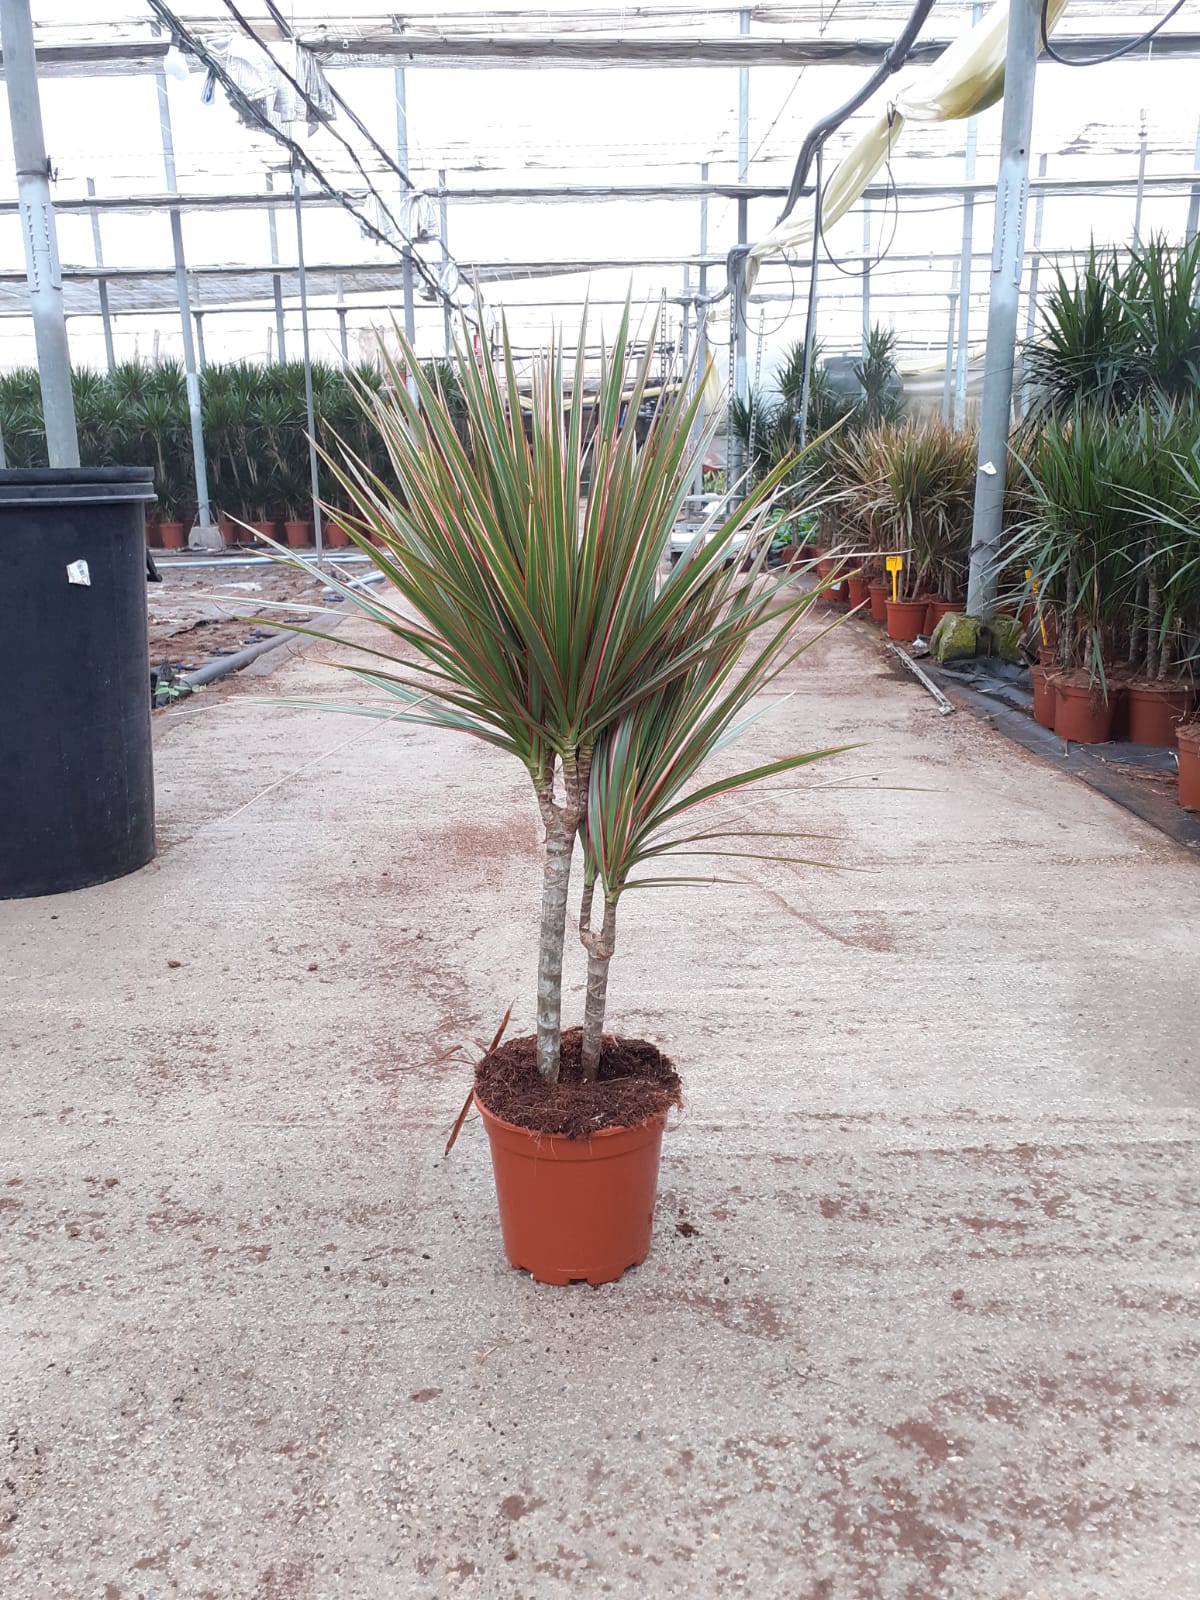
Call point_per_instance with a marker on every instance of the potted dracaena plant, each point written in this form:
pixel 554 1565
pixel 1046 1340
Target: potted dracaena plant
pixel 546 623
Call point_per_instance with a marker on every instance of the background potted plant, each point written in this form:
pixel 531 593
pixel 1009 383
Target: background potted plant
pixel 543 623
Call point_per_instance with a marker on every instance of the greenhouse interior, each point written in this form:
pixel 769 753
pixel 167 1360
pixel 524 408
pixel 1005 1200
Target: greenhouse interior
pixel 771 433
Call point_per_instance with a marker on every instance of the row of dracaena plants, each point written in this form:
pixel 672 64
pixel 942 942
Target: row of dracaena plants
pixel 1110 539
pixel 255 430
pixel 538 617
pixel 903 489
pixel 1110 530
pixel 768 425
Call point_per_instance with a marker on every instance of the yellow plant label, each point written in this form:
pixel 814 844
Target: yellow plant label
pixel 894 563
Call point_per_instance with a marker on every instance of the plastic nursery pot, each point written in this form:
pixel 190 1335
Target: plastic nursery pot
pixel 153 534
pixel 575 1209
pixel 905 619
pixel 1188 737
pixel 335 536
pixel 1044 698
pixel 1081 711
pixel 834 593
pixel 265 530
pixel 937 609
pixel 831 567
pixel 878 594
pixel 299 535
pixel 856 588
pixel 1156 710
pixel 172 535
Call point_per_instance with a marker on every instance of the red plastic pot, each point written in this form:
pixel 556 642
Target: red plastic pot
pixel 1188 738
pixel 265 530
pixel 878 593
pixel 335 536
pixel 173 535
pixel 831 567
pixel 856 588
pixel 905 619
pixel 937 609
pixel 299 535
pixel 153 536
pixel 1044 698
pixel 1156 710
pixel 1081 711
pixel 575 1209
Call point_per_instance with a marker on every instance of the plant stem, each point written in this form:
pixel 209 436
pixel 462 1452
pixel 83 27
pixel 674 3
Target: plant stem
pixel 561 823
pixel 600 947
pixel 1153 621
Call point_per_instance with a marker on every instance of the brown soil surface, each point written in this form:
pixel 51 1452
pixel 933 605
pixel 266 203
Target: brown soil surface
pixel 636 1082
pixel 196 613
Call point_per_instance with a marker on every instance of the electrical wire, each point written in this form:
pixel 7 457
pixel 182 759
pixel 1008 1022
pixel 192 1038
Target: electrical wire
pixel 195 46
pixel 878 260
pixel 338 100
pixel 248 30
pixel 1113 55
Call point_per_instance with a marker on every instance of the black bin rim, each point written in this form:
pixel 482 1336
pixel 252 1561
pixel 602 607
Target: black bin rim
pixel 23 486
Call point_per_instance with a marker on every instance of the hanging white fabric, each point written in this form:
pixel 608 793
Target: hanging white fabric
pixel 966 78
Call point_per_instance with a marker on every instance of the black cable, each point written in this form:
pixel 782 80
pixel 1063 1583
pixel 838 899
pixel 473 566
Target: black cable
pixel 195 46
pixel 284 27
pixel 893 60
pixel 1113 55
pixel 248 30
pixel 878 260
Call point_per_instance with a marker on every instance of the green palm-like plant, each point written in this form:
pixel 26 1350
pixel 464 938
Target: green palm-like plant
pixel 540 619
pixel 1083 541
pixel 644 779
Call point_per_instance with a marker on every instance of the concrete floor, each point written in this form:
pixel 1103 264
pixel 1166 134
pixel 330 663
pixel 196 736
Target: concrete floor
pixel 935 1335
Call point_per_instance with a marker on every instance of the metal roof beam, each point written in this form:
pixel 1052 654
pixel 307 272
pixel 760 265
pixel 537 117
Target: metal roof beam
pixel 569 192
pixel 633 50
pixel 115 57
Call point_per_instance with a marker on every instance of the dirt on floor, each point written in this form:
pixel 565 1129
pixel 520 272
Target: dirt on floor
pixel 919 1320
pixel 196 613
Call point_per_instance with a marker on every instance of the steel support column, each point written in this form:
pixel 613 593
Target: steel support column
pixel 735 457
pixel 207 534
pixel 964 270
pixel 444 235
pixel 1031 305
pixel 276 281
pixel 406 266
pixel 1008 248
pixel 310 409
pixel 102 285
pixel 42 267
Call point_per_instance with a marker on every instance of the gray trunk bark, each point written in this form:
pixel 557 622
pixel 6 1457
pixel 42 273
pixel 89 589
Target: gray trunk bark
pixel 1153 621
pixel 600 947
pixel 556 880
pixel 561 824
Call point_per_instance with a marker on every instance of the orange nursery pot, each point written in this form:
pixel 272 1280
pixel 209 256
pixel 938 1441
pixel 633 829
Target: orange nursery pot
pixel 905 619
pixel 1082 712
pixel 1156 710
pixel 1188 738
pixel 299 535
pixel 575 1209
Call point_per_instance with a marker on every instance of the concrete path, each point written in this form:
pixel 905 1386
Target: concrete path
pixel 934 1334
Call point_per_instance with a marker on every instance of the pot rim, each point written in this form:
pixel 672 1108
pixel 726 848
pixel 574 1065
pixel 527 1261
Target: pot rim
pixel 534 1136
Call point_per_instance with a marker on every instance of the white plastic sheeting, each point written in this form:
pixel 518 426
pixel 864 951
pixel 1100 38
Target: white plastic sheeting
pixel 967 78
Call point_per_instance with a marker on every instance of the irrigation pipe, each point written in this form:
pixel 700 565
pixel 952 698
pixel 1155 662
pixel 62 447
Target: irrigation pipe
pixel 222 666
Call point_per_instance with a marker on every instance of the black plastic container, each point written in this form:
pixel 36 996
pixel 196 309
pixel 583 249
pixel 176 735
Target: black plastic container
pixel 76 777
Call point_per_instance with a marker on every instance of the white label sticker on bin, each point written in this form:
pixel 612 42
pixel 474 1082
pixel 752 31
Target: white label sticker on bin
pixel 77 572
